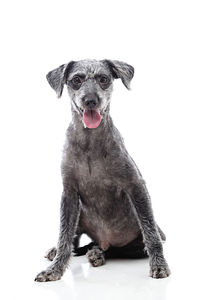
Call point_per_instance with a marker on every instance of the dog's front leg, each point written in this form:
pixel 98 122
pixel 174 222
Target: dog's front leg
pixel 69 215
pixel 142 205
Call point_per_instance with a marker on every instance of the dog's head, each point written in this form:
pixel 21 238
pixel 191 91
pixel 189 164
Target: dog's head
pixel 90 84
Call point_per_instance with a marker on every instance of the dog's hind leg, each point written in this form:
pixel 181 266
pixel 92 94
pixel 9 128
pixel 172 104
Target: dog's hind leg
pixel 96 256
pixel 135 249
pixel 162 235
pixel 51 253
pixel 79 251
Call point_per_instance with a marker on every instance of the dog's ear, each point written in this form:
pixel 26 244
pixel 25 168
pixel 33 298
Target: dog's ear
pixel 58 77
pixel 121 70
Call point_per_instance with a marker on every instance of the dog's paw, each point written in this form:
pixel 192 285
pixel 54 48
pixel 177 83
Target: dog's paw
pixel 96 257
pixel 157 271
pixel 51 253
pixel 48 275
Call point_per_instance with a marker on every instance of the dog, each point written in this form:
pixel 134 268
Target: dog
pixel 104 194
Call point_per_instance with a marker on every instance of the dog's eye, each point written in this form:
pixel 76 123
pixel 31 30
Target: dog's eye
pixel 76 82
pixel 104 79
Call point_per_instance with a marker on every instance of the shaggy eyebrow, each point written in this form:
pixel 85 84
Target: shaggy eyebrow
pixel 82 75
pixel 102 74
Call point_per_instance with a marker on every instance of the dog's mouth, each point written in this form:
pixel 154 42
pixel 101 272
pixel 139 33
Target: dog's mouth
pixel 91 118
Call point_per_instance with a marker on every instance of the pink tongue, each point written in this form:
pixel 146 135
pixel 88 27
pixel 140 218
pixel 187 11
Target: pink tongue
pixel 91 118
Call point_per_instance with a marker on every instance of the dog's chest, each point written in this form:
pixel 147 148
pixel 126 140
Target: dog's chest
pixel 95 173
pixel 91 169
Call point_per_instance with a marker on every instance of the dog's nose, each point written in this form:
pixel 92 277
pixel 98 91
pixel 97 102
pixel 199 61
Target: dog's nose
pixel 91 100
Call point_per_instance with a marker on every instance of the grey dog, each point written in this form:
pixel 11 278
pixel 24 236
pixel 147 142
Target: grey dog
pixel 104 194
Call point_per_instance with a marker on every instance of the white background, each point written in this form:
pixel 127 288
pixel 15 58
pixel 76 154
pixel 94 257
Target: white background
pixel 159 119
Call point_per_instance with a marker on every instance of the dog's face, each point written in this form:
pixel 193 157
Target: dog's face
pixel 90 84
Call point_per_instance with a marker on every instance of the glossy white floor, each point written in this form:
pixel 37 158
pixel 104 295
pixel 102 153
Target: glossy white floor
pixel 118 279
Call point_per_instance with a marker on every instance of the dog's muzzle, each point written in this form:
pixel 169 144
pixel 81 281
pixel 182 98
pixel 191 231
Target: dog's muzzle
pixel 91 114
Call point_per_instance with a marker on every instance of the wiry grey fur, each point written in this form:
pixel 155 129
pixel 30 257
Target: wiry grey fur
pixel 104 194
